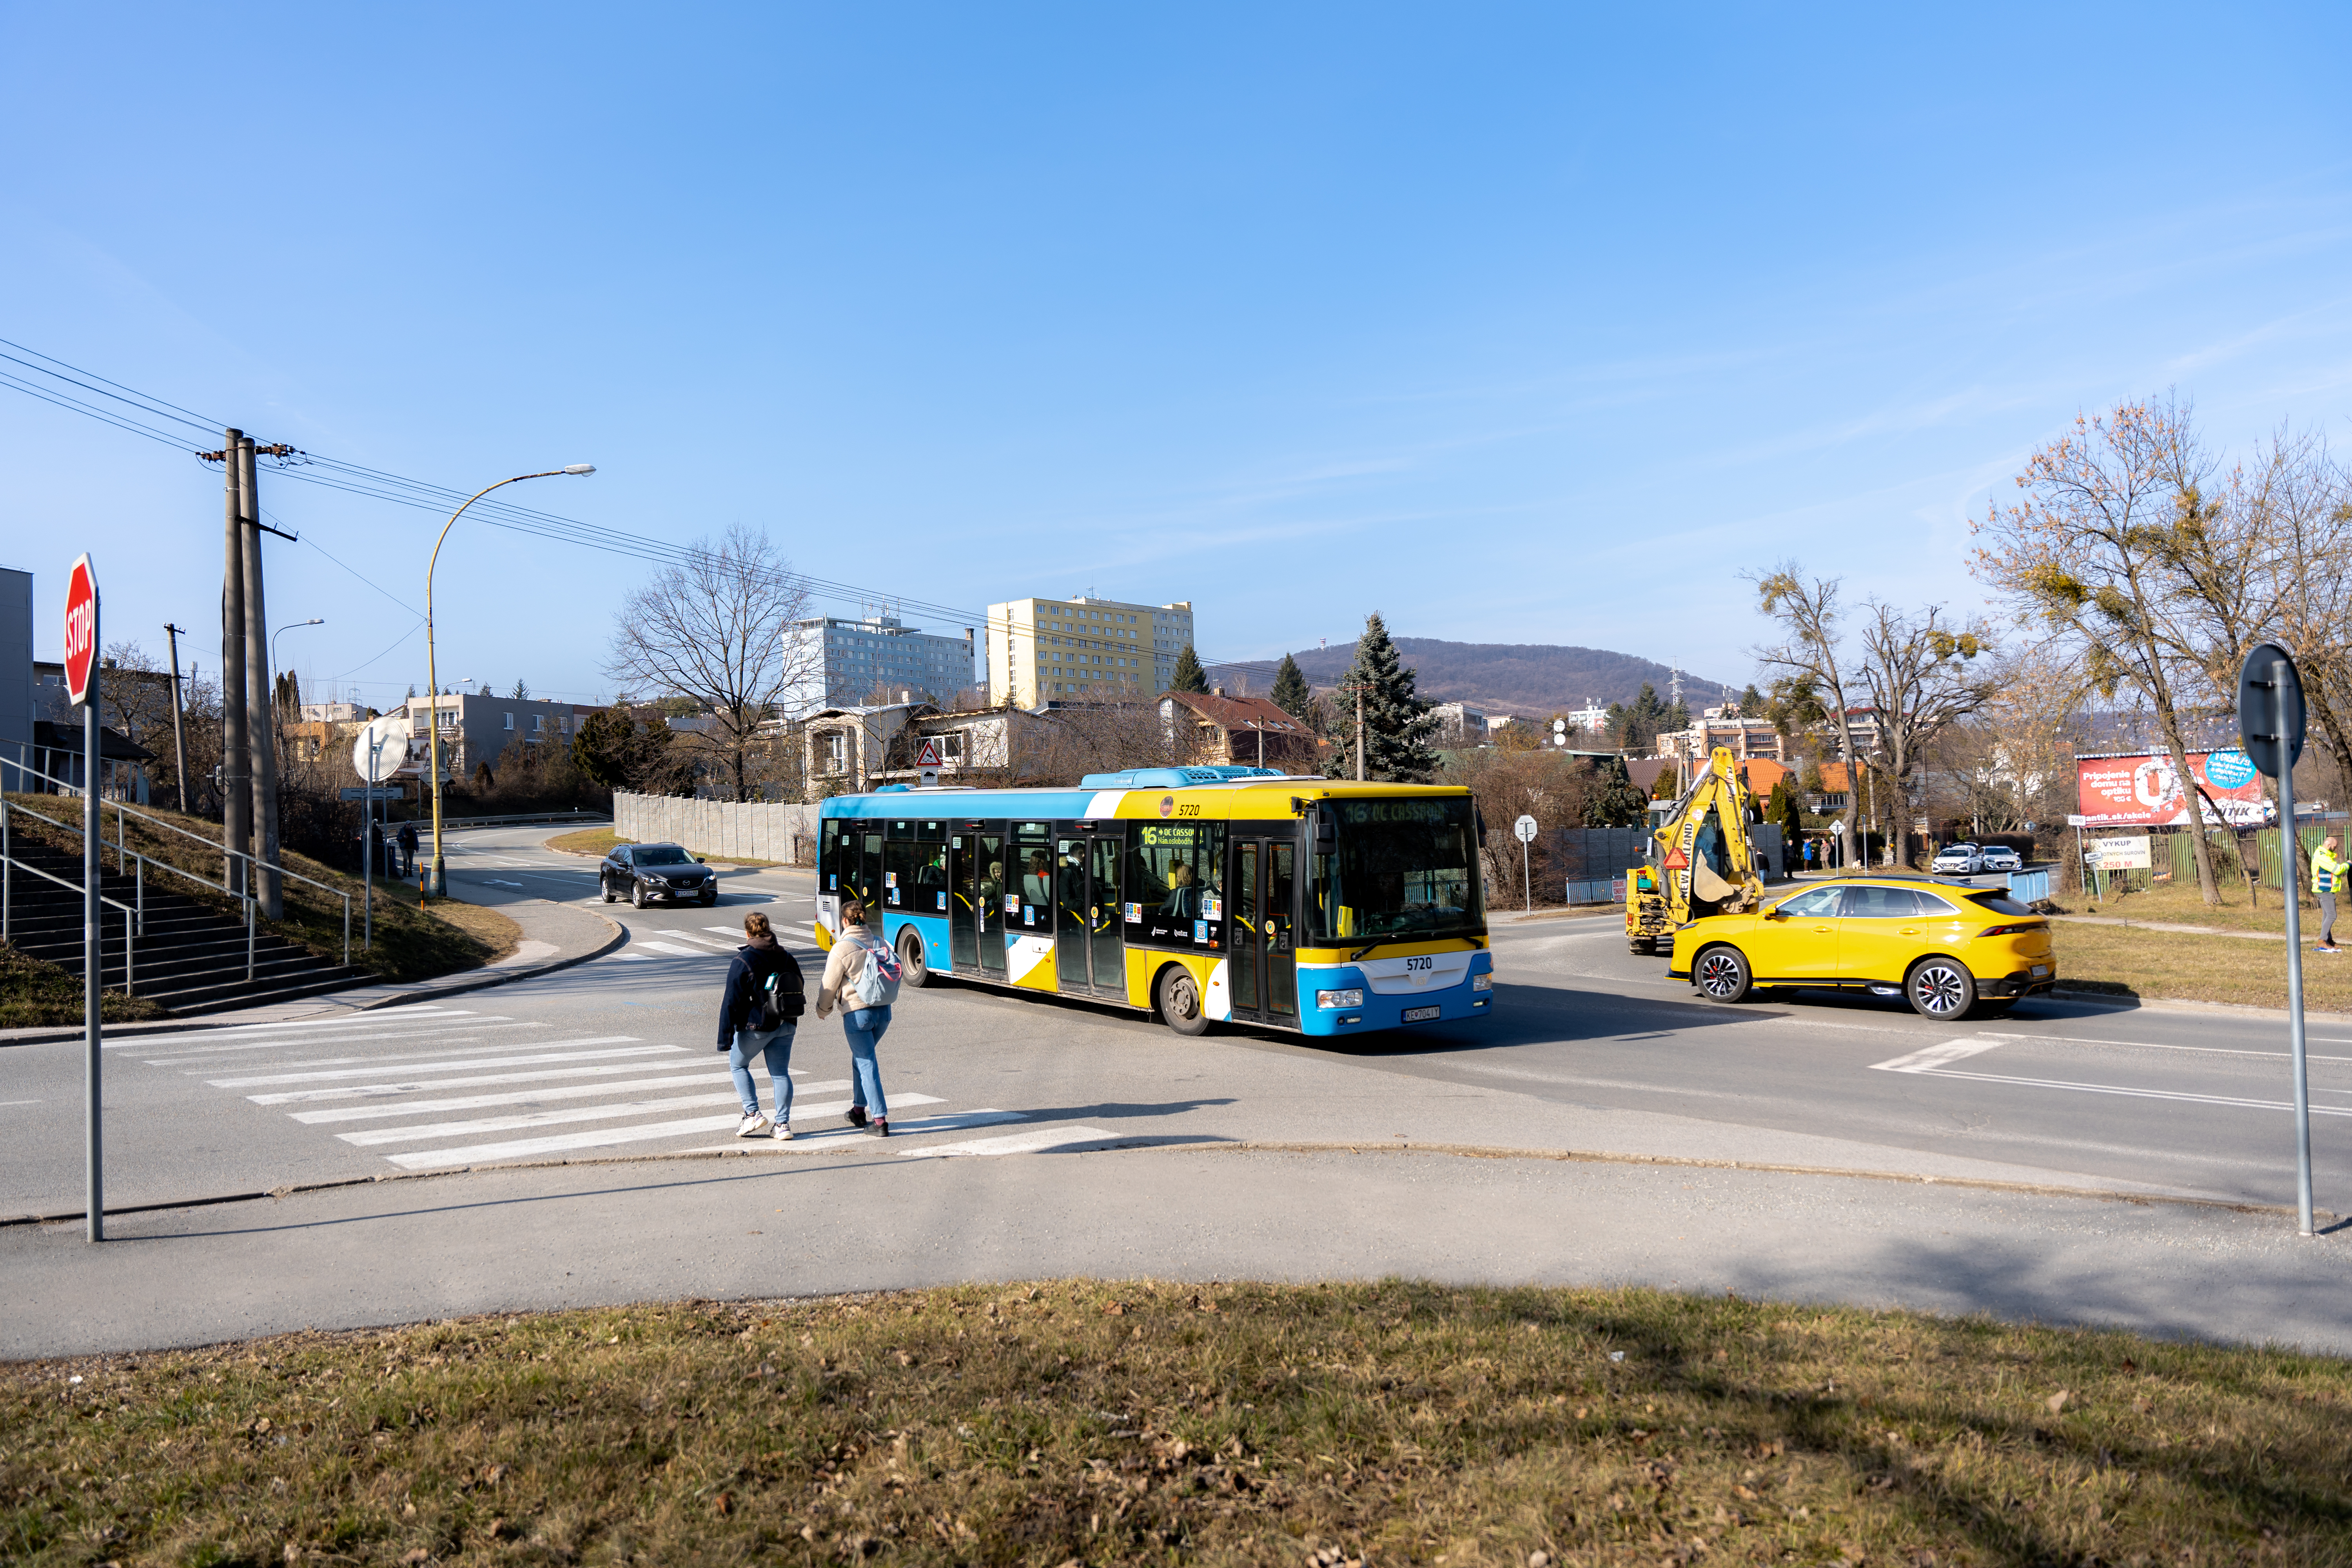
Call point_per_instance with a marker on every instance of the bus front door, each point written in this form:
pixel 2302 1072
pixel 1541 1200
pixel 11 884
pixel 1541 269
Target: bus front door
pixel 988 899
pixel 1263 968
pixel 963 948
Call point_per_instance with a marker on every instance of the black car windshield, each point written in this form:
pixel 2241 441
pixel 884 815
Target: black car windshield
pixel 657 854
pixel 1400 869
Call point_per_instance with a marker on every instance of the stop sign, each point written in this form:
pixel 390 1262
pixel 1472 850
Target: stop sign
pixel 81 629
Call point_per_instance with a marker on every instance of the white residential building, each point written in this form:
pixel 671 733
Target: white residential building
pixel 1082 648
pixel 842 663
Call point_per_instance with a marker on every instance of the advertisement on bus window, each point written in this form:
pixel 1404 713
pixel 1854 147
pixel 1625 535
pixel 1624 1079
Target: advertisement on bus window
pixel 2139 790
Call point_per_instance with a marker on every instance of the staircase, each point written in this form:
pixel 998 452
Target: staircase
pixel 189 957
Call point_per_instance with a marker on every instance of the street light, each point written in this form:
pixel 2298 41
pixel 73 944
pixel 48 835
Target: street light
pixel 439 878
pixel 291 625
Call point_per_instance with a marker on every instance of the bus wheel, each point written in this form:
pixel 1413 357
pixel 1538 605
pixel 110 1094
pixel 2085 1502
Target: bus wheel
pixel 1180 1001
pixel 910 958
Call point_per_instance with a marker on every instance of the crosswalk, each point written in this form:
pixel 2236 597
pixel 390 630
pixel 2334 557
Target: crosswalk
pixel 673 942
pixel 429 1088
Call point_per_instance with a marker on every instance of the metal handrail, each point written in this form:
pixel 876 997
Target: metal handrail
pixel 156 821
pixel 129 917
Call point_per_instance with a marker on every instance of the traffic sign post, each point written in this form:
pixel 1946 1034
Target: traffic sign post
pixel 374 759
pixel 1524 829
pixel 82 685
pixel 2271 726
pixel 927 763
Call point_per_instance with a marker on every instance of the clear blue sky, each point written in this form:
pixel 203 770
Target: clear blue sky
pixel 1524 323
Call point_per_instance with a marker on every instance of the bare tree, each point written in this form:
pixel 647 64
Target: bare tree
pixel 712 630
pixel 2119 552
pixel 1808 675
pixel 1923 677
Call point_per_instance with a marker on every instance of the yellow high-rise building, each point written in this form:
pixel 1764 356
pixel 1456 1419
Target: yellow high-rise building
pixel 1083 649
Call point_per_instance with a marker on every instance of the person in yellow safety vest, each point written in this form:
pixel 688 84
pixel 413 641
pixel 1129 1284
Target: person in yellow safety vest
pixel 2326 876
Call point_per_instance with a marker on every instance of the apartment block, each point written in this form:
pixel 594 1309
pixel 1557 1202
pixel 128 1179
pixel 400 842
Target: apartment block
pixel 1083 648
pixel 477 727
pixel 842 663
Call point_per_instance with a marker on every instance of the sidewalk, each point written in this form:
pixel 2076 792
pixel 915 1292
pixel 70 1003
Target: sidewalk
pixel 554 936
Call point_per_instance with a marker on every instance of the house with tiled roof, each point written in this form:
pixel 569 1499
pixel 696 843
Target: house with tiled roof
pixel 1214 729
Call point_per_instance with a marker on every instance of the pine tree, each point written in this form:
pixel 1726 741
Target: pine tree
pixel 1397 725
pixel 1616 803
pixel 1291 693
pixel 521 692
pixel 1667 785
pixel 1187 675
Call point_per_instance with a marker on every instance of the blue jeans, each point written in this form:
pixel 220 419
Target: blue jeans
pixel 864 1027
pixel 778 1050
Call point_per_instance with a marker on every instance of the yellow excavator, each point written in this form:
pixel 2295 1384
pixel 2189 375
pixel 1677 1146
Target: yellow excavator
pixel 1701 859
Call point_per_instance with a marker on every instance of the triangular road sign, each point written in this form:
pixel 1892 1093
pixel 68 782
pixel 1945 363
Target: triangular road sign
pixel 928 757
pixel 1676 860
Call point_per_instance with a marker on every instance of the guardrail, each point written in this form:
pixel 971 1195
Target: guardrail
pixel 125 856
pixel 450 823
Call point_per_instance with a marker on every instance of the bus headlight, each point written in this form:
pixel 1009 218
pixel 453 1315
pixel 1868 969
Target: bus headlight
pixel 1482 981
pixel 1340 998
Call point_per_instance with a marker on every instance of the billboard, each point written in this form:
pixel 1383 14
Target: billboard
pixel 2142 791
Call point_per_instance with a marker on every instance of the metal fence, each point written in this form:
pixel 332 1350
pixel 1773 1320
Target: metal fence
pixel 1597 890
pixel 2029 886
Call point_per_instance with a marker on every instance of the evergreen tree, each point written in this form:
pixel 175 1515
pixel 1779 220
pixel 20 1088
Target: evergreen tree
pixel 520 691
pixel 1751 702
pixel 1291 693
pixel 1616 803
pixel 1187 675
pixel 1790 813
pixel 1397 724
pixel 1667 785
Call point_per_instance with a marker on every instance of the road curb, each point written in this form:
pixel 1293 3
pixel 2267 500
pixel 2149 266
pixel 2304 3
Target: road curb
pixel 483 981
pixel 2123 1004
pixel 2322 1219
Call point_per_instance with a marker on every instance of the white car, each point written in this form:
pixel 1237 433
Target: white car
pixel 2000 857
pixel 1960 859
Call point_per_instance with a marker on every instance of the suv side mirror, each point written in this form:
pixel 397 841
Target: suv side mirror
pixel 1775 913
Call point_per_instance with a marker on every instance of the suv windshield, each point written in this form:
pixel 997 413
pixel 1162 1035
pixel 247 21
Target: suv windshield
pixel 1398 868
pixel 657 854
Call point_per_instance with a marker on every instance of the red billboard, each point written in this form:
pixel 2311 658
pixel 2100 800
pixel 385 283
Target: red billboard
pixel 2143 790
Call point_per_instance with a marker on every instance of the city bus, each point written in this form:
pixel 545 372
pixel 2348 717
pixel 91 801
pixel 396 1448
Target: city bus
pixel 1201 895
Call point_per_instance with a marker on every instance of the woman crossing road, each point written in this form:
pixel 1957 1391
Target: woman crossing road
pixel 861 976
pixel 758 1015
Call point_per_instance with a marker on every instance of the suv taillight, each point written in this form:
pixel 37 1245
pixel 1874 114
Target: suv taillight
pixel 2015 930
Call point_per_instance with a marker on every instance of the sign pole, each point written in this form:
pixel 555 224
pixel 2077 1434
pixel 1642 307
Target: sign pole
pixel 367 853
pixel 2281 673
pixel 82 685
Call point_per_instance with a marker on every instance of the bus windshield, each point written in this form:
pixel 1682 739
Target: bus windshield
pixel 1399 869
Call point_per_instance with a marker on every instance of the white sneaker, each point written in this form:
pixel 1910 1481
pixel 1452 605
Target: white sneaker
pixel 753 1125
pixel 783 1132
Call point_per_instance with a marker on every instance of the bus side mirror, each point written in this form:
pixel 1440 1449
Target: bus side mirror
pixel 1327 832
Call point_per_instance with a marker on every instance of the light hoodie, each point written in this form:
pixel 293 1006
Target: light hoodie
pixel 844 964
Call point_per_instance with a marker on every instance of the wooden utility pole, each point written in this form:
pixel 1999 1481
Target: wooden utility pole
pixel 179 734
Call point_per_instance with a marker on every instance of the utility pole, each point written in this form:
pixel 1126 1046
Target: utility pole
pixel 179 732
pixel 236 795
pixel 260 725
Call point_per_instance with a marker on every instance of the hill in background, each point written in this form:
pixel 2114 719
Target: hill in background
pixel 1525 679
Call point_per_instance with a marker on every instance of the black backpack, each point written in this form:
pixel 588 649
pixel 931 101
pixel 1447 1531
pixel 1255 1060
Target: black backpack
pixel 779 1004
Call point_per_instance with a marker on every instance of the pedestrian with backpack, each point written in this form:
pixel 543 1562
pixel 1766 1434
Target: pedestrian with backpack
pixel 861 974
pixel 758 1015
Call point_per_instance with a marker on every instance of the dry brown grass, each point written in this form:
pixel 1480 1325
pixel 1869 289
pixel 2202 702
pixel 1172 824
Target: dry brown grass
pixel 34 992
pixel 597 841
pixel 2178 903
pixel 1244 1423
pixel 2128 960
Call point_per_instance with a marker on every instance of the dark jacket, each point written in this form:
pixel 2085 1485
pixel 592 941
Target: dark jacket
pixel 747 976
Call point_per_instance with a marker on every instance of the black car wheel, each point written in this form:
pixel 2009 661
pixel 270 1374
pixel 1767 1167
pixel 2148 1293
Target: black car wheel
pixel 637 894
pixel 1180 1001
pixel 1941 988
pixel 604 886
pixel 1722 974
pixel 916 969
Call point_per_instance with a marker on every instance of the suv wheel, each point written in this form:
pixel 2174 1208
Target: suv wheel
pixel 1722 974
pixel 637 894
pixel 1941 988
pixel 604 886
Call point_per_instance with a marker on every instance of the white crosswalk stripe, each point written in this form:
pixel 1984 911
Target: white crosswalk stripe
pixel 432 1089
pixel 677 952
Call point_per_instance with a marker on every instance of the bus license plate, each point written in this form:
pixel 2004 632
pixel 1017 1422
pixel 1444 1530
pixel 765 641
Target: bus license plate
pixel 1421 1015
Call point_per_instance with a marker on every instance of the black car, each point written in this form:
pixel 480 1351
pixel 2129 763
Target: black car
pixel 656 873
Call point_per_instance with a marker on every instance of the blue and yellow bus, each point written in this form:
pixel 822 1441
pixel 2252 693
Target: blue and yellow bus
pixel 1200 894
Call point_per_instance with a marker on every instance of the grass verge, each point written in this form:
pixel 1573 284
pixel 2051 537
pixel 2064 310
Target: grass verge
pixel 1139 1422
pixel 596 841
pixel 2128 962
pixel 33 993
pixel 2178 903
pixel 410 943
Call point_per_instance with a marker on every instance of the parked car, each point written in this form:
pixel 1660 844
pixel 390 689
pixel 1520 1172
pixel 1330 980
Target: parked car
pixel 2001 857
pixel 1945 947
pixel 1959 860
pixel 656 873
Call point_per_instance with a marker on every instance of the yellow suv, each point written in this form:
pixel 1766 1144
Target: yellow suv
pixel 1943 945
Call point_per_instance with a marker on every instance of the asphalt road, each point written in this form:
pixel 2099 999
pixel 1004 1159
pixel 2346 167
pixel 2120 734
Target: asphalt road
pixel 530 1090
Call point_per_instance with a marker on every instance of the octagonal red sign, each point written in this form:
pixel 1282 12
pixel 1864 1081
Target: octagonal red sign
pixel 81 629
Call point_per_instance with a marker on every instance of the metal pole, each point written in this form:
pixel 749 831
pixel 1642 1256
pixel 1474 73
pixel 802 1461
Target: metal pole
pixel 1359 734
pixel 8 873
pixel 2280 675
pixel 261 721
pixel 236 799
pixel 179 731
pixel 93 954
pixel 367 846
pixel 1527 888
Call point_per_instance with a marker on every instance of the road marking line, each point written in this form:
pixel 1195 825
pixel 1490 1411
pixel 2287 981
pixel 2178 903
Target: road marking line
pixel 677 952
pixel 1934 1056
pixel 511 1096
pixel 2143 1093
pixel 611 1049
pixel 272 1034
pixel 296 1096
pixel 518 1148
pixel 632 957
pixel 586 1113
pixel 220 1054
pixel 2153 1046
pixel 1012 1143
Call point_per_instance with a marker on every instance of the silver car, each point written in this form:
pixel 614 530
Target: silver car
pixel 2001 857
pixel 1960 859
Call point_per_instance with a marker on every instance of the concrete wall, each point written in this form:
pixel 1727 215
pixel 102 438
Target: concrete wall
pixel 738 830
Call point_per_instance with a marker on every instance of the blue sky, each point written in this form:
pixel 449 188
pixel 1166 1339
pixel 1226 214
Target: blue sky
pixel 1518 324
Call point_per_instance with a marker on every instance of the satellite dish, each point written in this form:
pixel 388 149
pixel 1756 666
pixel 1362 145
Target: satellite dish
pixel 381 749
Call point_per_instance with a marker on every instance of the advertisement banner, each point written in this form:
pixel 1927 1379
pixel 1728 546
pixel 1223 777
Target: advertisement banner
pixel 2142 791
pixel 2117 854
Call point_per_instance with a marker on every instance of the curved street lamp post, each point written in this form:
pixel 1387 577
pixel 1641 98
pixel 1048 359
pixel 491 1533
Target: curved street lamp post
pixel 438 880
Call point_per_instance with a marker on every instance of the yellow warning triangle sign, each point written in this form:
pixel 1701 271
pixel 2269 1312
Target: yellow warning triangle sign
pixel 1678 862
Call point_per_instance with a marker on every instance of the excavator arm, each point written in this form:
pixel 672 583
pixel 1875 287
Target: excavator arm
pixel 1701 859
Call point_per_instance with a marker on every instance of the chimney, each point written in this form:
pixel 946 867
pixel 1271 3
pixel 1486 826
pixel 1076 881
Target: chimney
pixel 1216 691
